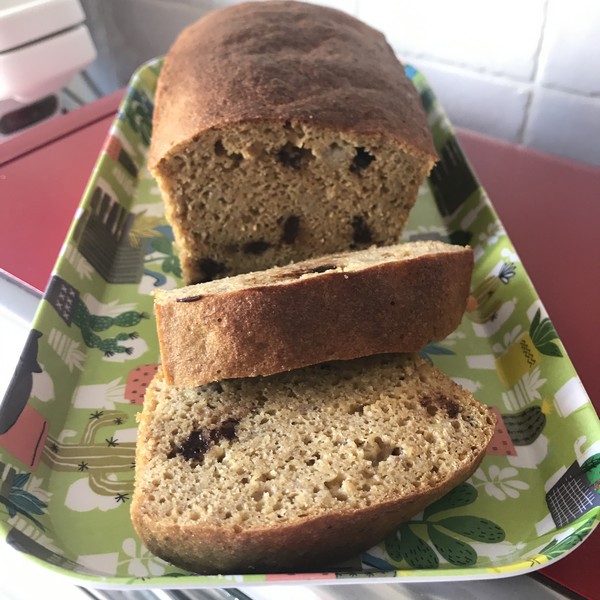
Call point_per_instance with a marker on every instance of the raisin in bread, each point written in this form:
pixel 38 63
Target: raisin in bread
pixel 302 469
pixel 342 306
pixel 284 131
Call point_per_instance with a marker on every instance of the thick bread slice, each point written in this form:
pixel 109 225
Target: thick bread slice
pixel 301 469
pixel 343 306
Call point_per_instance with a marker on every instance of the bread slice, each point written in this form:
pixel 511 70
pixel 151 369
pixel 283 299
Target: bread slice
pixel 284 131
pixel 299 470
pixel 338 307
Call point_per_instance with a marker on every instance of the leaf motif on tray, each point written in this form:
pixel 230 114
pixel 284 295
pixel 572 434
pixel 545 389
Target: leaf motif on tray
pixel 475 528
pixel 417 541
pixel 461 495
pixel 17 500
pixel 417 553
pixel 453 550
pixel 543 334
pixel 558 547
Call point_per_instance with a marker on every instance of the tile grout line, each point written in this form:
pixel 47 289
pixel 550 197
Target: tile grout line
pixel 535 82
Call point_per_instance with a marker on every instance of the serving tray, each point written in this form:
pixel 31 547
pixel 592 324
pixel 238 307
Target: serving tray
pixel 68 429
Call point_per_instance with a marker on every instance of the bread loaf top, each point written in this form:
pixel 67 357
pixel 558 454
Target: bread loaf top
pixel 284 62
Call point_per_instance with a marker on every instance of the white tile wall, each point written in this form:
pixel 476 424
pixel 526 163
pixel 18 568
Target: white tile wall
pixel 570 57
pixel 494 65
pixel 138 30
pixel 488 104
pixel 102 70
pixel 566 124
pixel 482 35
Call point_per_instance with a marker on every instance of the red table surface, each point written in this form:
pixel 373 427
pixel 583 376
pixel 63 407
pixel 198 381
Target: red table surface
pixel 550 208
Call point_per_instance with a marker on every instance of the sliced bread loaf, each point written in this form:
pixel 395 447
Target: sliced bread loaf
pixel 283 131
pixel 391 299
pixel 302 469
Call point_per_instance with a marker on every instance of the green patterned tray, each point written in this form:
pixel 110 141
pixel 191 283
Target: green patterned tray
pixel 68 430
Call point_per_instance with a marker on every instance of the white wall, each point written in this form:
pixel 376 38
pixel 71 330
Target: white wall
pixel 526 71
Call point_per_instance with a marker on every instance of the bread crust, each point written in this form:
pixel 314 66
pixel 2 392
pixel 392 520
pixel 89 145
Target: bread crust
pixel 398 306
pixel 284 62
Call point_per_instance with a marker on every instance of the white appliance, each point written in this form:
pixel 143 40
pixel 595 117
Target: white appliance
pixel 43 45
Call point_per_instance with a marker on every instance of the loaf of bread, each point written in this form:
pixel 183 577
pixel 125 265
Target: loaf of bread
pixel 284 131
pixel 342 306
pixel 302 469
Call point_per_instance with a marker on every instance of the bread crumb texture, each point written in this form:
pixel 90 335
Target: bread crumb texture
pixel 325 194
pixel 332 438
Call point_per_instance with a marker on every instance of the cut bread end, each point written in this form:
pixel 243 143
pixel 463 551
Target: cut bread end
pixel 301 469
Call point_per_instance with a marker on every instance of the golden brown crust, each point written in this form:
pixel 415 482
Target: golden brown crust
pixel 394 306
pixel 284 61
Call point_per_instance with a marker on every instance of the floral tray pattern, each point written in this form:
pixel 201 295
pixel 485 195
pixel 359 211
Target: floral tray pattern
pixel 68 429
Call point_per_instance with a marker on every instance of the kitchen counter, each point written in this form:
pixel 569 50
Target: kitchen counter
pixel 549 207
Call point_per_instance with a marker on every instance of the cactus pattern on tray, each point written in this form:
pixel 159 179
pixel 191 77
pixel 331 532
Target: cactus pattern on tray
pixel 67 435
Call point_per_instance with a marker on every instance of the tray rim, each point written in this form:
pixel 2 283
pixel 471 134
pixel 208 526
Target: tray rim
pixel 191 581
